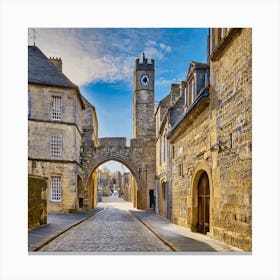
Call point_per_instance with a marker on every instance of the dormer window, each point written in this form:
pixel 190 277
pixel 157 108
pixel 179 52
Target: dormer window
pixel 193 90
pixel 186 96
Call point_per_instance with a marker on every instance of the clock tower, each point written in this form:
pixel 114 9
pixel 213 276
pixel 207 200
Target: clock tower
pixel 144 135
pixel 143 98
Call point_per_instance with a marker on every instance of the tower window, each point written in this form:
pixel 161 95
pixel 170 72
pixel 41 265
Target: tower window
pixel 56 108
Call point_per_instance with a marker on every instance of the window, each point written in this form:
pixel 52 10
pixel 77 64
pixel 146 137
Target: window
pixel 56 146
pixel 160 151
pixel 185 95
pixel 157 124
pixel 193 91
pixel 181 169
pixel 56 107
pixel 55 188
pixel 173 151
pixel 164 148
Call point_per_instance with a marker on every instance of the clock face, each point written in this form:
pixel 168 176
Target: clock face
pixel 145 80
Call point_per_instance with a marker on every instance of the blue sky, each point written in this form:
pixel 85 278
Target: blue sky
pixel 101 62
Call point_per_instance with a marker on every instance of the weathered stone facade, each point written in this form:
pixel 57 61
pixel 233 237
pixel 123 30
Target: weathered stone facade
pixel 60 122
pixel 135 157
pixel 168 110
pixel 231 92
pixel 211 153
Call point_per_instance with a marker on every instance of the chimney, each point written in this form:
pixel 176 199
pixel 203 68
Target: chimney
pixel 57 62
pixel 174 93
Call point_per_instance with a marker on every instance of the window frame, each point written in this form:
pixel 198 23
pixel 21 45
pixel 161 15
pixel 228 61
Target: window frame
pixel 185 96
pixel 56 110
pixel 56 145
pixel 56 196
pixel 193 90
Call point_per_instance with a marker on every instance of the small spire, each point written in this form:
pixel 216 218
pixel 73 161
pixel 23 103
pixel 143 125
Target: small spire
pixel 143 56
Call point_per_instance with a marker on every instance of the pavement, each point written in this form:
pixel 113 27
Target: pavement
pixel 181 239
pixel 177 238
pixel 57 224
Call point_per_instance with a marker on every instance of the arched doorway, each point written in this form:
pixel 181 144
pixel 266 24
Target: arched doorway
pixel 203 200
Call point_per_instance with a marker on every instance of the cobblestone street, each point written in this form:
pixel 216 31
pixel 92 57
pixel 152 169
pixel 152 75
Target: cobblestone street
pixel 114 229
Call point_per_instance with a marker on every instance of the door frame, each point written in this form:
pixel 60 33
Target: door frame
pixel 203 196
pixel 201 167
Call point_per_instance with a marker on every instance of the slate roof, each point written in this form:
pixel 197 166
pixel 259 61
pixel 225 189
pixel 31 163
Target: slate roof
pixel 177 110
pixel 204 95
pixel 42 71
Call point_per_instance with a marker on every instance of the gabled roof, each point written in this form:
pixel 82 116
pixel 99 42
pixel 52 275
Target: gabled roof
pixel 43 72
pixel 196 107
pixel 196 65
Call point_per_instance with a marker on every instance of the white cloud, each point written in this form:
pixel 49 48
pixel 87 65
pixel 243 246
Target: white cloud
pixel 165 47
pixel 84 58
pixel 91 55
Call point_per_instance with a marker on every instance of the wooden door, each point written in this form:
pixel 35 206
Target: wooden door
pixel 203 203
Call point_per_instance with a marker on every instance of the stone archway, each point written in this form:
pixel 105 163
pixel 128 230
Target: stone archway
pixel 201 169
pixel 136 157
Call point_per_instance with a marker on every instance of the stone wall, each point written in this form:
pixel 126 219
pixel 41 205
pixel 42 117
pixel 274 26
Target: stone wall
pixel 37 202
pixel 40 98
pixel 189 151
pixel 217 139
pixel 39 134
pixel 231 88
pixel 68 173
pixel 113 141
pixel 40 128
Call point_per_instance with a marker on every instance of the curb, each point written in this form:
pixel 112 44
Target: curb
pixel 165 241
pixel 63 231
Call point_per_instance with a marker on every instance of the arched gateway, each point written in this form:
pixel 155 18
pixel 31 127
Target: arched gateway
pixel 136 157
pixel 140 156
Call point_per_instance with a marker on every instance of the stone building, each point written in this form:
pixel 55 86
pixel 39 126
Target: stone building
pixel 212 142
pixel 60 123
pixel 231 106
pixel 167 112
pixel 127 186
